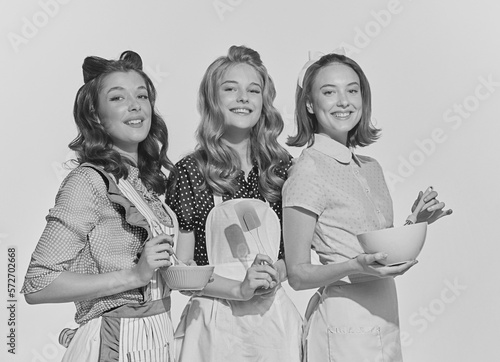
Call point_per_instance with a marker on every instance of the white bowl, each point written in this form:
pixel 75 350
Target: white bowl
pixel 401 244
pixel 184 277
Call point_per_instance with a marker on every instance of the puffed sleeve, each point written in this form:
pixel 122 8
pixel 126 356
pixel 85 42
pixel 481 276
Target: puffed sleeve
pixel 283 167
pixel 182 197
pixel 304 189
pixel 74 215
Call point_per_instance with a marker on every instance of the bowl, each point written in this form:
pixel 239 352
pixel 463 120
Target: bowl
pixel 401 244
pixel 187 277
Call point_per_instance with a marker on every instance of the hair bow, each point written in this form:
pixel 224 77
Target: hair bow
pixel 314 56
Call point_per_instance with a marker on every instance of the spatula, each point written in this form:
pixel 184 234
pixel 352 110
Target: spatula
pixel 237 243
pixel 249 221
pixel 252 223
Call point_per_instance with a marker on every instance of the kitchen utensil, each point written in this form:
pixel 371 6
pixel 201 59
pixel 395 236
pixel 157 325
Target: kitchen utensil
pixel 158 231
pixel 237 243
pixel 412 219
pixel 187 277
pixel 401 244
pixel 250 222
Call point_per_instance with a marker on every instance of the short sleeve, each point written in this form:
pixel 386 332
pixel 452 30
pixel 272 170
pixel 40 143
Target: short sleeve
pixel 304 188
pixel 182 198
pixel 283 167
pixel 74 215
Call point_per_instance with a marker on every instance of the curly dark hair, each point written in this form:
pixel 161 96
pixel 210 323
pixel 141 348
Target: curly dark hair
pixel 94 145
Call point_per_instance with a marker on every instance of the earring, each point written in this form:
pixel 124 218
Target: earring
pixel 309 107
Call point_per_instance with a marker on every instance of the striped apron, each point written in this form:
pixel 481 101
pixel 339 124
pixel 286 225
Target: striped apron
pixel 132 332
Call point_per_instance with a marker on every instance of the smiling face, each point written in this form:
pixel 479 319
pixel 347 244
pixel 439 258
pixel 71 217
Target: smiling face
pixel 240 98
pixel 125 111
pixel 336 101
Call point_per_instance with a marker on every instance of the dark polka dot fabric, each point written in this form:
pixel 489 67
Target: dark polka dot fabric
pixel 192 204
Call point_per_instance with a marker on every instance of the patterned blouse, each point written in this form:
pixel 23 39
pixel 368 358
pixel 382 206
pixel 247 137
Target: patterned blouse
pixel 191 204
pixel 347 192
pixel 93 229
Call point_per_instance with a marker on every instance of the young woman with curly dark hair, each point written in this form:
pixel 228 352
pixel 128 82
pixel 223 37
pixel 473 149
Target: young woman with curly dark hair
pixel 109 234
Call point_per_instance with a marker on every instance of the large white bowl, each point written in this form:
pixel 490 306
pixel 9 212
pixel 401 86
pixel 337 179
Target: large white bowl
pixel 184 277
pixel 401 243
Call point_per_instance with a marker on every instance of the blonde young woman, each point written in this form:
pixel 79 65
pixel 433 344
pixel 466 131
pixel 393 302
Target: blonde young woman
pixel 244 314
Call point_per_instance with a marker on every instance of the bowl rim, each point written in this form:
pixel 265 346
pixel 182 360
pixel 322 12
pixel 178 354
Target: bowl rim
pixel 191 267
pixel 417 225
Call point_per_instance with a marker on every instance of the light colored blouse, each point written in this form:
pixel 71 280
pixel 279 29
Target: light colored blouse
pixel 92 229
pixel 347 192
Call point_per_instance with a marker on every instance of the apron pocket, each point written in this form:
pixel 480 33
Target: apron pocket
pixel 150 355
pixel 355 344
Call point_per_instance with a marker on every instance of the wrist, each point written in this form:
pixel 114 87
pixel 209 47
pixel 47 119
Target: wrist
pixel 281 268
pixel 239 293
pixel 353 266
pixel 133 278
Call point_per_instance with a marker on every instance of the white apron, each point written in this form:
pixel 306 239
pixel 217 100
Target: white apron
pixel 265 328
pixel 353 323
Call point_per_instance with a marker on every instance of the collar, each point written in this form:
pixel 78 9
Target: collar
pixel 253 170
pixel 332 148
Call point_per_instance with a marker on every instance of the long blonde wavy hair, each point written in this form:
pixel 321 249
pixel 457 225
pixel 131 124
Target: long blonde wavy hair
pixel 219 163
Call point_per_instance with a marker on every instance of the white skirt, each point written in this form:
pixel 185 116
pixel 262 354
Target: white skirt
pixel 355 323
pixel 257 330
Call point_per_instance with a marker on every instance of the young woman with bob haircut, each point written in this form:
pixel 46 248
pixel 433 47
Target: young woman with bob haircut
pixel 332 194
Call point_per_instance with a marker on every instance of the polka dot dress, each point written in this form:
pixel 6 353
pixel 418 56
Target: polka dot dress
pixel 192 204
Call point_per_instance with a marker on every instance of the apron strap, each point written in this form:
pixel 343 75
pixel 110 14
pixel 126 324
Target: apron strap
pixel 218 200
pixel 156 227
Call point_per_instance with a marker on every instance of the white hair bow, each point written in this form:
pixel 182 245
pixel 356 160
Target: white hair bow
pixel 314 56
